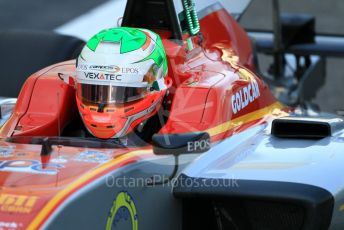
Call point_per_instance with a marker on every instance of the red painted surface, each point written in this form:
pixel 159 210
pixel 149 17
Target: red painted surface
pixel 219 28
pixel 207 83
pixel 45 104
pixel 34 182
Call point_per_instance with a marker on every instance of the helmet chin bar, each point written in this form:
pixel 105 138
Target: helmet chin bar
pixel 134 117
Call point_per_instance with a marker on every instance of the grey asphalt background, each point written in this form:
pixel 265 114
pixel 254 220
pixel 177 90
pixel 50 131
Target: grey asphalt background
pixel 329 19
pixel 50 14
pixel 41 14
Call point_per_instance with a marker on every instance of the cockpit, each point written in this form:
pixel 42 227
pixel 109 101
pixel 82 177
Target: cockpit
pixel 155 15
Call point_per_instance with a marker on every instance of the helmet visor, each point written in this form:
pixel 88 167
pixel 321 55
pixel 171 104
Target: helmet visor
pixel 109 94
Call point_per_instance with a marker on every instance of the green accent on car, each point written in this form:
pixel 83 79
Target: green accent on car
pixel 191 17
pixel 131 39
pixel 123 200
pixel 190 44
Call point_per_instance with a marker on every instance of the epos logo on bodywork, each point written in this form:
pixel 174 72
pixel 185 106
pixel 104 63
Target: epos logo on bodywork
pixel 17 203
pixel 245 96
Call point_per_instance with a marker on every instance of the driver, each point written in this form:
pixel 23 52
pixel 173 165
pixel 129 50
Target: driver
pixel 121 81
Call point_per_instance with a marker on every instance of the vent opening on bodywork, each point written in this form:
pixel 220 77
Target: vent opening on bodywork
pixel 233 214
pixel 300 130
pixel 305 127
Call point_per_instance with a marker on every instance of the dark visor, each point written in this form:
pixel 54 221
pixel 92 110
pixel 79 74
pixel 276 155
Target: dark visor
pixel 109 94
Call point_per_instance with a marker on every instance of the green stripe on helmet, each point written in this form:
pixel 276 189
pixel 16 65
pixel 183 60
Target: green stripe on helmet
pixel 131 39
pixel 158 55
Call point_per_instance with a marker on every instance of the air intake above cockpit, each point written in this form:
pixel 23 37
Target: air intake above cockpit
pixel 306 127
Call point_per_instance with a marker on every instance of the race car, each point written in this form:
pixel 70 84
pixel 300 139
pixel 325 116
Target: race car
pixel 228 154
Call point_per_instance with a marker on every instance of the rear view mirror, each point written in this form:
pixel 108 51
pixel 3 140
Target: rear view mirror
pixel 177 144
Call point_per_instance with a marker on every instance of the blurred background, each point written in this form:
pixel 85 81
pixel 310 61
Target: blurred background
pixel 53 14
pixel 329 20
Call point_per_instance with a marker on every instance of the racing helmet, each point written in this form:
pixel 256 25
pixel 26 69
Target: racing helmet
pixel 120 81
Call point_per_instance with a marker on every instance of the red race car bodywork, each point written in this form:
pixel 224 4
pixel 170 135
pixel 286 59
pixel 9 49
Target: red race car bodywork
pixel 214 90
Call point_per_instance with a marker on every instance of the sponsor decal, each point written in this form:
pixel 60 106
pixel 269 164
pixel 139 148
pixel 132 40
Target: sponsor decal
pixel 82 67
pixel 47 211
pixel 123 213
pixel 101 76
pixel 17 203
pixel 59 160
pixel 9 225
pixel 130 70
pixel 245 96
pixel 111 69
pixel 30 166
pixel 91 156
pixel 202 145
pixel 6 152
pixel 108 73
